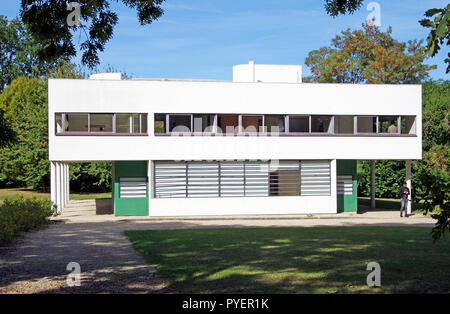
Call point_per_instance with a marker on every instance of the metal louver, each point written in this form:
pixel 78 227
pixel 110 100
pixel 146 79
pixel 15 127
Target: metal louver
pixel 133 187
pixel 315 178
pixel 231 178
pixel 345 185
pixel 170 179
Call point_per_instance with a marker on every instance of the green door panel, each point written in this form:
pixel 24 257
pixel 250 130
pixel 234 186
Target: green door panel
pixel 129 206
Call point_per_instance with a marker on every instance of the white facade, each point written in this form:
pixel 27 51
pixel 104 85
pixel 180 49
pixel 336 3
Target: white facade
pixel 251 92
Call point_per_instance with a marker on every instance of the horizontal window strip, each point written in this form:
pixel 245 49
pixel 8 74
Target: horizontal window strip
pixel 284 124
pixel 241 178
pixel 101 124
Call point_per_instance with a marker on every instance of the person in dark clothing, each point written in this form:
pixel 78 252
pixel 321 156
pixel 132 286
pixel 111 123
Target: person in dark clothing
pixel 404 192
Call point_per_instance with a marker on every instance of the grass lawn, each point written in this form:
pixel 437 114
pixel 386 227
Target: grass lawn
pixel 7 193
pixel 296 260
pixel 389 203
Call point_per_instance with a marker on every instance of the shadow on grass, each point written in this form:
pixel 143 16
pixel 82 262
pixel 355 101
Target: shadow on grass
pixel 226 260
pixel 296 260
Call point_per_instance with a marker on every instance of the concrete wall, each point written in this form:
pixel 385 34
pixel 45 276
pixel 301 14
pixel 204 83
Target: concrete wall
pixel 67 95
pixel 159 96
pixel 271 205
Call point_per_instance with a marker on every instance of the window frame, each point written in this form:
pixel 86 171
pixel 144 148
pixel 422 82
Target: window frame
pixel 258 131
pixel 287 125
pixel 141 117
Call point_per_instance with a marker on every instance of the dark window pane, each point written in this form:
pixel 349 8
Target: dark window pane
pixel 123 123
pixel 298 124
pixel 251 124
pixel 143 123
pixel 343 124
pixel 227 123
pixel 179 123
pixel 160 123
pixel 76 122
pixel 101 122
pixel 274 123
pixel 367 125
pixel 135 122
pixel 321 124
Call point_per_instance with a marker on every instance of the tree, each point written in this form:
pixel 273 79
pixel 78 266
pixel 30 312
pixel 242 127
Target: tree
pixel 432 173
pixel 368 55
pixel 439 27
pixel 336 7
pixel 6 133
pixel 434 177
pixel 24 161
pixel 47 22
pixel 24 103
pixel 439 31
pixel 18 53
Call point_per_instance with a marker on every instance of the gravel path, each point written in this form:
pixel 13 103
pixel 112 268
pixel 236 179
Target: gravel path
pixel 37 261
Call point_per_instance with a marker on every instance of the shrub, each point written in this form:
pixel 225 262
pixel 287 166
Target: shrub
pixel 22 214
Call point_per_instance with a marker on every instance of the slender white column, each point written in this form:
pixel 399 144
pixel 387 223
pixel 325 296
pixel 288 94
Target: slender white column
pixel 66 200
pixel 150 184
pixel 408 184
pixel 68 183
pixel 63 184
pixel 52 182
pixel 372 184
pixel 58 186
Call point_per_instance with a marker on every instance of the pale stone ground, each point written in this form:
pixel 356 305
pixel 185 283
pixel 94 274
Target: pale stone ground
pixel 36 262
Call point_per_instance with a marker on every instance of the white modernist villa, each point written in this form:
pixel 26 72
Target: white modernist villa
pixel 263 143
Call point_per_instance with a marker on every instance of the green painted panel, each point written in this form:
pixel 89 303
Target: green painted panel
pixel 129 206
pixel 348 203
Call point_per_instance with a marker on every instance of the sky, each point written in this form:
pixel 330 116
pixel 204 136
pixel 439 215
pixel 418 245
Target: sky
pixel 203 39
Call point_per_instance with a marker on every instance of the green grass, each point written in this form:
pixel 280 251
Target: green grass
pixel 296 260
pixel 389 203
pixel 8 193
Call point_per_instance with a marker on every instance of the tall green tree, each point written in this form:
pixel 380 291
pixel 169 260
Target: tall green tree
pixel 25 160
pixel 432 173
pixel 368 55
pixel 47 21
pixel 18 53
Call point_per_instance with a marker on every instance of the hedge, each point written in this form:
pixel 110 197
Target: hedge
pixel 22 214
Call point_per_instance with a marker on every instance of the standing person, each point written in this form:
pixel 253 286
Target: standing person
pixel 404 192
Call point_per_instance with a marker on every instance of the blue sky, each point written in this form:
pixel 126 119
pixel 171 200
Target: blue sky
pixel 205 38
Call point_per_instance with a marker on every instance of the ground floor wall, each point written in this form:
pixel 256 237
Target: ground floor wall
pixel 201 206
pixel 280 205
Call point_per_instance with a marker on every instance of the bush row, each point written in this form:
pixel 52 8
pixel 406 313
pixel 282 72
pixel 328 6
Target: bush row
pixel 22 214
